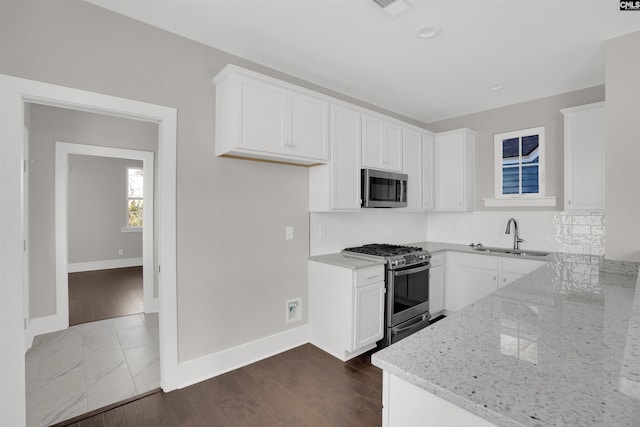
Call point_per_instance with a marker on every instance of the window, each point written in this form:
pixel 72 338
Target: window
pixel 519 164
pixel 135 199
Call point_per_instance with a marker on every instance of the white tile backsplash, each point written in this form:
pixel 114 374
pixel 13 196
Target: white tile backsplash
pixel 571 232
pixel 579 232
pixel 331 232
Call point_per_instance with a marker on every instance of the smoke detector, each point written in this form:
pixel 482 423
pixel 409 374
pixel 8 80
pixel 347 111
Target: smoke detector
pixel 394 8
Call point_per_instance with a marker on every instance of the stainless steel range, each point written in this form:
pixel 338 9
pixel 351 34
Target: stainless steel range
pixel 407 273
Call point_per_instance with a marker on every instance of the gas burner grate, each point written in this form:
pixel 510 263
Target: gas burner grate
pixel 383 249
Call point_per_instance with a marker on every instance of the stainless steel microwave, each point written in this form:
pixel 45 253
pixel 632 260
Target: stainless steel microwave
pixel 381 189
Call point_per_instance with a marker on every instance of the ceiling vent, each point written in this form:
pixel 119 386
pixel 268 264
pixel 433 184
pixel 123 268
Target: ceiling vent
pixel 394 8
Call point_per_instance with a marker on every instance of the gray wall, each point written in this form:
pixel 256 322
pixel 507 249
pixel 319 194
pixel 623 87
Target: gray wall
pixel 540 112
pixel 48 125
pixel 623 148
pixel 97 210
pixel 229 210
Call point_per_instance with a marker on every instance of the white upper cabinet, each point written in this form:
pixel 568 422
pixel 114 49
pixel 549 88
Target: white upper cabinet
pixel 264 118
pixel 412 166
pixel 309 134
pixel 381 144
pixel 428 172
pixel 336 186
pixel 584 158
pixel 454 165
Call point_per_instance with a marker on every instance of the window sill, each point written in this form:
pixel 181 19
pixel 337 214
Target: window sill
pixel 131 229
pixel 538 201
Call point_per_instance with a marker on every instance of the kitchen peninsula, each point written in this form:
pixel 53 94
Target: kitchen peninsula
pixel 558 347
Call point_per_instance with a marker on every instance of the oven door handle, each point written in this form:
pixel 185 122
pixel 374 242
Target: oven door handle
pixel 415 326
pixel 412 270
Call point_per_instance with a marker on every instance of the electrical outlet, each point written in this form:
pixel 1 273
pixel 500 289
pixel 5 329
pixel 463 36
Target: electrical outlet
pixel 293 310
pixel 288 232
pixel 120 251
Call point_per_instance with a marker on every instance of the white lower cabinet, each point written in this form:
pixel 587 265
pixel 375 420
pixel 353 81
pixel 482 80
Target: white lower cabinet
pixel 346 308
pixel 513 269
pixel 471 277
pixel 436 284
pixel 405 404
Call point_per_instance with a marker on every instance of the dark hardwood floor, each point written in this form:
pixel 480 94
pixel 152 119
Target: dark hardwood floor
pixel 301 387
pixel 103 294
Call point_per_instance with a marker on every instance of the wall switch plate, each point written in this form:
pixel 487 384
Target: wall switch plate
pixel 293 310
pixel 288 232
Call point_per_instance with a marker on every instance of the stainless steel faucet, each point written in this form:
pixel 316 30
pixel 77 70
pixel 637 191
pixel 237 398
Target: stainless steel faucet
pixel 516 239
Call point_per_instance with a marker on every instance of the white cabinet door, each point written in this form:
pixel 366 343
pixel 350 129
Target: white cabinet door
pixel 473 277
pixel 584 158
pixel 513 269
pixel 412 166
pixel 381 144
pixel 428 172
pixel 368 315
pixel 261 116
pixel 474 283
pixel 392 147
pixel 436 289
pixel 309 126
pixel 345 158
pixel 454 170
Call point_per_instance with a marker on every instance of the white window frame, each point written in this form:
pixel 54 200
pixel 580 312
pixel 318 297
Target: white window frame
pixel 127 227
pixel 497 155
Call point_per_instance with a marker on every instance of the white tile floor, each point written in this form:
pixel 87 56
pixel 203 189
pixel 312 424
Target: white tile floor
pixel 88 366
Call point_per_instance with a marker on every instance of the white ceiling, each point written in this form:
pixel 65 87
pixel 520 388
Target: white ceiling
pixel 534 48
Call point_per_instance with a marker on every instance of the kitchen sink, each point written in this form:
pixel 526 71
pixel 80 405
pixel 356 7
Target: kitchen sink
pixel 518 252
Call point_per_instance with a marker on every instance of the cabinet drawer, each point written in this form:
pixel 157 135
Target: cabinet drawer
pixel 368 276
pixel 437 259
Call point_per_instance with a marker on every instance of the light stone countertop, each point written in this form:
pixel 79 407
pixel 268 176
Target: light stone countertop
pixel 558 347
pixel 346 261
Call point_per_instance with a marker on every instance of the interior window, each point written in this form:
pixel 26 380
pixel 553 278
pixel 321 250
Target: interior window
pixel 135 199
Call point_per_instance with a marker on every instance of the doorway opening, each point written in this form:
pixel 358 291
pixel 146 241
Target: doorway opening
pixel 18 328
pixel 104 241
pixel 91 233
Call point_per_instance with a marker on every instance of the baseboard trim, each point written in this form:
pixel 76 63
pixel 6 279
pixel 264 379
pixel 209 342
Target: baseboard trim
pixel 153 306
pixel 104 265
pixel 203 368
pixel 47 324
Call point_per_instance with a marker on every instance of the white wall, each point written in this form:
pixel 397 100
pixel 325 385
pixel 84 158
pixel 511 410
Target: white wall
pixel 581 233
pixel 97 210
pixel 622 118
pixel 331 232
